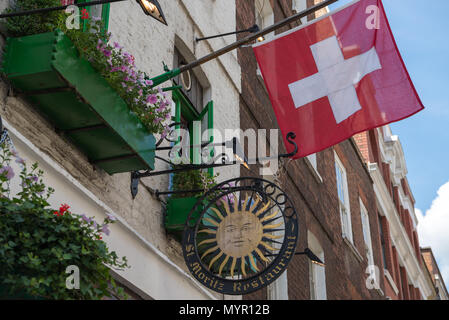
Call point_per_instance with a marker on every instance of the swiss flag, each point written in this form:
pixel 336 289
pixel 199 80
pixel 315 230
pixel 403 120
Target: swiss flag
pixel 336 77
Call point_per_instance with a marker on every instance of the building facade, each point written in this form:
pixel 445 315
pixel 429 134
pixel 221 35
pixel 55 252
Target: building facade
pixel 434 274
pixel 403 268
pixel 158 270
pixel 355 207
pixel 333 191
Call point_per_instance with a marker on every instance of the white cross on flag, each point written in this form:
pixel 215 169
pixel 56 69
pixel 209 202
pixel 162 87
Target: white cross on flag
pixel 337 76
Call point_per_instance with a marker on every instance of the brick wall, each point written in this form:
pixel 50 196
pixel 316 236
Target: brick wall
pixel 316 202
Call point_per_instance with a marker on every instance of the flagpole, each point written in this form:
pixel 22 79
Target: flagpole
pixel 173 73
pixel 254 36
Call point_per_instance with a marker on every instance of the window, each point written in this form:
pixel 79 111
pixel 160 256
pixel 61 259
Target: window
pixel 188 109
pixel 313 163
pixel 264 16
pixel 382 241
pixel 343 199
pixel 366 233
pixel 317 273
pixel 99 11
pixel 191 87
pixel 367 237
pixel 300 5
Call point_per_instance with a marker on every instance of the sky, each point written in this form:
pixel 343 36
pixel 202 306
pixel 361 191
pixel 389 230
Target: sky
pixel 420 29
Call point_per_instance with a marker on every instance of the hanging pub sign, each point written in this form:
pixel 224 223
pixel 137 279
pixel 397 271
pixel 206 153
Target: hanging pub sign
pixel 240 236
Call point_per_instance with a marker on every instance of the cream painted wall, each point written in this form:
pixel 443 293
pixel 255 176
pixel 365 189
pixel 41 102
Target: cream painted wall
pixel 158 265
pixel 151 271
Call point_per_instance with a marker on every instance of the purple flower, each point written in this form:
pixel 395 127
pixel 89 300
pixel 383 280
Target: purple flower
pixel 159 89
pixel 85 218
pixel 107 53
pixel 8 172
pixel 33 178
pixel 117 46
pixel 149 82
pixel 111 217
pixel 21 161
pixel 152 98
pixel 105 229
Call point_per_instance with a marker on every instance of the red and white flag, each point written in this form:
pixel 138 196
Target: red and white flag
pixel 336 77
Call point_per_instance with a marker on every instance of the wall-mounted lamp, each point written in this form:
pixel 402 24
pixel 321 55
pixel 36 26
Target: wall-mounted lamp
pixel 239 153
pixel 150 7
pixel 255 28
pixel 153 8
pixel 313 258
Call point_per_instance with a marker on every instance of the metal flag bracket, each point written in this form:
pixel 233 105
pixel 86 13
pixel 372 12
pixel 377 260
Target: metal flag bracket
pixel 221 160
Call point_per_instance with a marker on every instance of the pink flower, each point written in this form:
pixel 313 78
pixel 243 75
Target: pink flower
pixel 152 98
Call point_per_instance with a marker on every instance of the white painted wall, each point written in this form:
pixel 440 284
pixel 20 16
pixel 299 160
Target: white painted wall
pixel 157 264
pixel 151 271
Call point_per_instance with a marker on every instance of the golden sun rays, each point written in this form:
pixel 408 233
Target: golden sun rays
pixel 238 236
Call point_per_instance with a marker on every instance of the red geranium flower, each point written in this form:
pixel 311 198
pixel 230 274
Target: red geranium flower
pixel 63 209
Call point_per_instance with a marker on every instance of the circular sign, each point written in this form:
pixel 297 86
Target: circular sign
pixel 240 236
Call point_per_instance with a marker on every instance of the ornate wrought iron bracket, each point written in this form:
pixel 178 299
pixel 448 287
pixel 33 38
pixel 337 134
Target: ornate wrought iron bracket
pixel 239 158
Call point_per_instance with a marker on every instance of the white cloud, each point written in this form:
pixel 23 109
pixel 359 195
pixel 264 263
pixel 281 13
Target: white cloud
pixel 433 230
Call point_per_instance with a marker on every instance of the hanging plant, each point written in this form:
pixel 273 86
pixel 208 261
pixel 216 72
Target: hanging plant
pixel 38 244
pixel 192 180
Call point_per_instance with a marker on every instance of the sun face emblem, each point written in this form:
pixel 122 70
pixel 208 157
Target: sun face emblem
pixel 238 235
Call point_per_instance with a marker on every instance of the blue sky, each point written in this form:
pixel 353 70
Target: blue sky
pixel 420 28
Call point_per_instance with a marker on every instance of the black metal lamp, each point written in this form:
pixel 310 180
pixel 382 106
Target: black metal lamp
pixel 153 8
pixel 150 7
pixel 255 28
pixel 239 153
pixel 313 258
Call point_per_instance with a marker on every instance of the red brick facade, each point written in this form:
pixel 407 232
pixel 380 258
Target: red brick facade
pixel 316 201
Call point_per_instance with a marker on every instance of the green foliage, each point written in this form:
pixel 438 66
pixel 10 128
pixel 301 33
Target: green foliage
pixel 38 243
pixel 192 180
pixel 35 23
pixel 150 105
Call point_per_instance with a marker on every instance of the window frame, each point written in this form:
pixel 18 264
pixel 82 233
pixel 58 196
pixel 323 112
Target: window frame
pixel 185 109
pixel 344 205
pixel 366 230
pixel 317 274
pixel 105 11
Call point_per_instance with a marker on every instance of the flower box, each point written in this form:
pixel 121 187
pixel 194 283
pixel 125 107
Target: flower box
pixel 178 210
pixel 49 72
